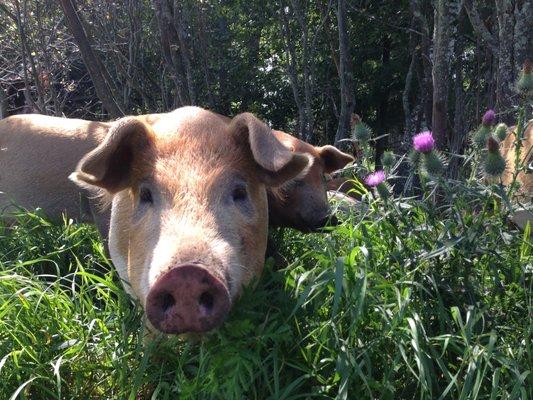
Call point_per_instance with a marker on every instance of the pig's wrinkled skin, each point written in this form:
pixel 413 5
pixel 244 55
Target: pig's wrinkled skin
pixel 189 213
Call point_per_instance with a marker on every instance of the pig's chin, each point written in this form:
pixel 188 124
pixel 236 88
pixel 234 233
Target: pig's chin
pixel 312 226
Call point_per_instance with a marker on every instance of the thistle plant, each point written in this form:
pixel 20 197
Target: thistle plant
pixel 425 154
pixel 387 160
pixel 376 180
pixel 494 164
pixel 483 132
pixel 500 132
pixel 360 131
pixel 525 81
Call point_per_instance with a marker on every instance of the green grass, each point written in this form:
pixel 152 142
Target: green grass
pixel 410 300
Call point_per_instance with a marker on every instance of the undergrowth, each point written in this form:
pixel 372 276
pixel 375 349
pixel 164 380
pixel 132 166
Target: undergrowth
pixel 403 300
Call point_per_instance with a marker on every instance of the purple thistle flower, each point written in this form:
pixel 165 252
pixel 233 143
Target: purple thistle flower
pixel 489 118
pixel 375 178
pixel 424 142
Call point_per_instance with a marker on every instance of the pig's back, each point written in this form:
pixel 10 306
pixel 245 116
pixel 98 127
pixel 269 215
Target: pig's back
pixel 37 154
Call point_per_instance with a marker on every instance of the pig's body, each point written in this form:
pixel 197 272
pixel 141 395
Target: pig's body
pixel 525 178
pixel 507 148
pixel 36 153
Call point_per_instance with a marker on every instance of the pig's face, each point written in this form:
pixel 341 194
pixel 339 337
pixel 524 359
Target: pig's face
pixel 189 210
pixel 302 203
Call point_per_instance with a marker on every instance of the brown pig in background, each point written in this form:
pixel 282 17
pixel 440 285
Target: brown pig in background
pixel 302 203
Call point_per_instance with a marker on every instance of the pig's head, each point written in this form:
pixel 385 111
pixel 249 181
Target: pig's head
pixel 302 203
pixel 189 209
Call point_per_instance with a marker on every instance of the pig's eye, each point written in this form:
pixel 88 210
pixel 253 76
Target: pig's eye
pixel 145 196
pixel 239 193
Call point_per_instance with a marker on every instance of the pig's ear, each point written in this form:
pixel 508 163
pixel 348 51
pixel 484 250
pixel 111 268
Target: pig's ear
pixel 277 163
pixel 333 158
pixel 123 155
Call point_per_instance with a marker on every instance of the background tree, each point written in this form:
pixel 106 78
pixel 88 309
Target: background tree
pixel 302 65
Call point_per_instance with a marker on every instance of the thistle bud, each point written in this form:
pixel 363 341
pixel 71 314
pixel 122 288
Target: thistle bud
pixel 387 159
pixel 500 132
pixel 489 118
pixel 494 162
pixel 361 131
pixel 433 163
pixel 479 139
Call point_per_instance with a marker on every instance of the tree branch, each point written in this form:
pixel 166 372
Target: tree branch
pixel 480 28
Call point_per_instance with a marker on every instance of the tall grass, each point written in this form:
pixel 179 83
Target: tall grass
pixel 407 299
pixel 426 297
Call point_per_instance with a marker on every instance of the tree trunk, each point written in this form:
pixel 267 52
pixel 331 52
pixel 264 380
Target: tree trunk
pixel 3 103
pixel 382 112
pixel 440 71
pixel 169 46
pixel 307 131
pixel 181 20
pixel 204 53
pixel 505 78
pixel 346 77
pixel 92 62
pixel 458 135
pixel 413 54
pixel 426 86
pixel 523 32
pixel 292 70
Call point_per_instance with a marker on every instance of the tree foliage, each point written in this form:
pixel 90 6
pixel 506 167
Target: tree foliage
pixel 413 64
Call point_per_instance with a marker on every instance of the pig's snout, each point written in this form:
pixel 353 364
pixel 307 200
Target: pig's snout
pixel 328 220
pixel 188 298
pixel 320 220
pixel 331 220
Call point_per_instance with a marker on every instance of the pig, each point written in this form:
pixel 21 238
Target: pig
pixel 56 144
pixel 36 153
pixel 525 178
pixel 507 149
pixel 189 214
pixel 187 191
pixel 302 203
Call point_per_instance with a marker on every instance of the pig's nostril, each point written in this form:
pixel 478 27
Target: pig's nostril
pixel 166 301
pixel 206 302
